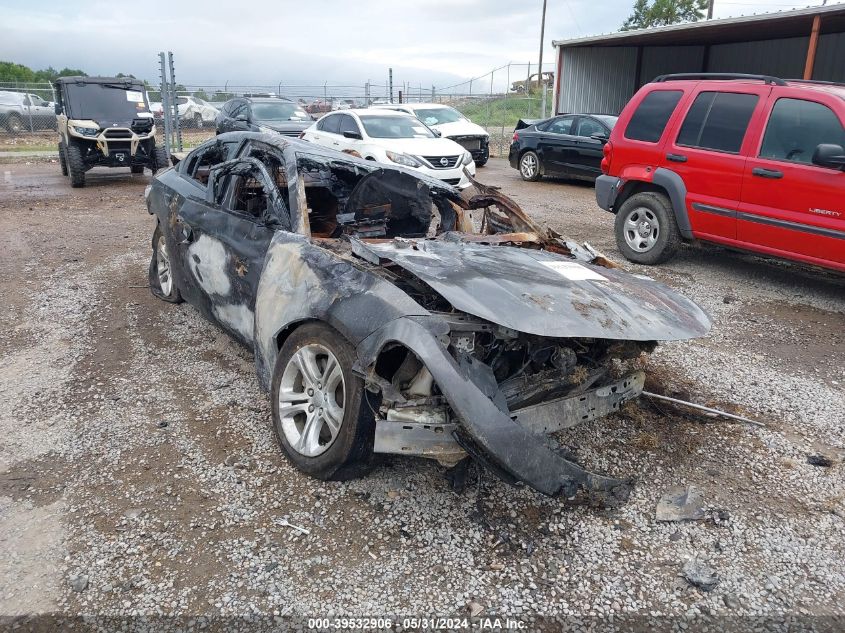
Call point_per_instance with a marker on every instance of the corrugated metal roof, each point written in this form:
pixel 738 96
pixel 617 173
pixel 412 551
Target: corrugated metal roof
pixel 778 25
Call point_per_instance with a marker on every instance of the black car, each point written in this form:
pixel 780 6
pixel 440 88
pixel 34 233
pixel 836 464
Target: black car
pixel 382 323
pixel 262 114
pixel 569 146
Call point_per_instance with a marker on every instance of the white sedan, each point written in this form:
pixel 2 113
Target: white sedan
pixel 393 138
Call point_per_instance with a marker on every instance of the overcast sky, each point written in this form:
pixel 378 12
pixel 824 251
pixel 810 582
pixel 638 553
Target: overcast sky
pixel 263 42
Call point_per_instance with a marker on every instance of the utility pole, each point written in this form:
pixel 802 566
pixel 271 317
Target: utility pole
pixel 390 81
pixel 541 82
pixel 710 9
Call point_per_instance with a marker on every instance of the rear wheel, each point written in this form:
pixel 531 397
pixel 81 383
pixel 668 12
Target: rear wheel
pixel 197 120
pixel 62 159
pixel 75 165
pixel 321 416
pixel 14 123
pixel 646 229
pixel 161 278
pixel 529 166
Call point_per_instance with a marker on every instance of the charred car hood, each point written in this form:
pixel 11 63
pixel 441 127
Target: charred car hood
pixel 542 293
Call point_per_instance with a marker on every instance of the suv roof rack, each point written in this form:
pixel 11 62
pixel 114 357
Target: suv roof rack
pixel 817 82
pixel 776 81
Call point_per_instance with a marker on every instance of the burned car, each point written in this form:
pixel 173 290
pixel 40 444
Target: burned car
pixel 389 313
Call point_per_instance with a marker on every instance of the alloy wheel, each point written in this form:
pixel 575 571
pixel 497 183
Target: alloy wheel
pixel 165 278
pixel 528 166
pixel 312 393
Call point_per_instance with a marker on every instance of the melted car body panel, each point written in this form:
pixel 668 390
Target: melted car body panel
pixel 543 293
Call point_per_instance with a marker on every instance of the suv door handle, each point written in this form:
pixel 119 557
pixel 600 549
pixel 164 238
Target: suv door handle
pixel 767 173
pixel 676 158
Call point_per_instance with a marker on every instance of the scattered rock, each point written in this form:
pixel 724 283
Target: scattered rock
pixel 79 583
pixel 700 575
pixel 731 601
pixel 475 609
pixel 819 460
pixel 231 460
pixel 271 566
pixel 680 503
pixel 730 296
pixel 163 424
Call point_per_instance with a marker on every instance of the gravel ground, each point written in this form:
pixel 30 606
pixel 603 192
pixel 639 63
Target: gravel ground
pixel 139 475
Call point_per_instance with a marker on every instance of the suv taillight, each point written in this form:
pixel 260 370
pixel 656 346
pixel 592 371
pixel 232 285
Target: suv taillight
pixel 515 137
pixel 605 162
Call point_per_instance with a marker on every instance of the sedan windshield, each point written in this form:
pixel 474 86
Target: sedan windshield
pixel 281 111
pixel 394 127
pixel 438 116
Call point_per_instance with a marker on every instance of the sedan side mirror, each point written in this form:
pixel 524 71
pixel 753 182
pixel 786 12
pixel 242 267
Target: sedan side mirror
pixel 599 137
pixel 351 134
pixel 243 118
pixel 829 155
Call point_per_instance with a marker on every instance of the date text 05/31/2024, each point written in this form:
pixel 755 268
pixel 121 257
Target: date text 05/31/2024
pixel 422 624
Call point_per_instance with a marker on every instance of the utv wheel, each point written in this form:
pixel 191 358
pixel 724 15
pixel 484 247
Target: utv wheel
pixel 160 158
pixel 14 123
pixel 529 166
pixel 137 169
pixel 75 165
pixel 646 230
pixel 62 159
pixel 321 416
pixel 162 282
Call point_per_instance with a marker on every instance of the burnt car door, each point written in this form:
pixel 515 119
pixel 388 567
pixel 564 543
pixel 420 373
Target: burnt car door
pixel 223 240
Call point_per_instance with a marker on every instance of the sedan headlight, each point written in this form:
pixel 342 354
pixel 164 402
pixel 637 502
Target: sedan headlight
pixel 404 159
pixel 467 159
pixel 85 131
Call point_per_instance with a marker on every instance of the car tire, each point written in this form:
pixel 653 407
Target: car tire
pixel 326 424
pixel 646 229
pixel 14 123
pixel 162 283
pixel 529 166
pixel 160 158
pixel 136 169
pixel 75 165
pixel 481 163
pixel 197 121
pixel 62 159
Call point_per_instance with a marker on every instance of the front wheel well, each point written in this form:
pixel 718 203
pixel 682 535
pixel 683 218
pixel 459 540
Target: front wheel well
pixel 283 334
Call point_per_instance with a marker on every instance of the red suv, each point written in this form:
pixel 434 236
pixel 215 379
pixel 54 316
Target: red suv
pixel 746 161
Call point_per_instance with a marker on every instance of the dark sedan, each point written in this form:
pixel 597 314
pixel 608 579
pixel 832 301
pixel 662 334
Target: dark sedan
pixel 382 323
pixel 568 146
pixel 262 114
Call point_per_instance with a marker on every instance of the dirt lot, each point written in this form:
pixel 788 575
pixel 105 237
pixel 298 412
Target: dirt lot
pixel 138 473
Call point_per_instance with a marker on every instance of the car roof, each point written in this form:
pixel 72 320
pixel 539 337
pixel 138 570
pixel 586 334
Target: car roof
pixel 380 111
pixel 75 79
pixel 836 89
pixel 267 99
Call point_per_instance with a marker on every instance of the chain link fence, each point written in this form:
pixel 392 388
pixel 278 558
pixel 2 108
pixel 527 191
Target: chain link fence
pixel 495 101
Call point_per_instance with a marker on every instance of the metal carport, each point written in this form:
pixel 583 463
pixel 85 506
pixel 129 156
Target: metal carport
pixel 599 74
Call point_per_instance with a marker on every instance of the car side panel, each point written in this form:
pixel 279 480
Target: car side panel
pixel 302 281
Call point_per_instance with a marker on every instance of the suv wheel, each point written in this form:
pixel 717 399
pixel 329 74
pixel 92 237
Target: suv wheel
pixel 198 120
pixel 321 415
pixel 62 159
pixel 75 165
pixel 14 123
pixel 646 230
pixel 529 166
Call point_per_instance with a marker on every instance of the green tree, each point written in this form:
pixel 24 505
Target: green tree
pixel 663 12
pixel 10 71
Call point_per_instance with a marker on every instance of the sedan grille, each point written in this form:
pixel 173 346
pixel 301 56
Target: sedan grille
pixel 468 142
pixel 442 162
